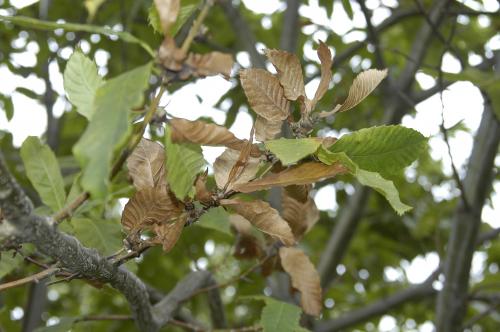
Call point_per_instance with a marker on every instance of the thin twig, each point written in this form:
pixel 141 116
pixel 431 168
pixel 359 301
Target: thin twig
pixel 186 325
pixel 196 26
pixel 89 318
pixel 234 279
pixel 33 278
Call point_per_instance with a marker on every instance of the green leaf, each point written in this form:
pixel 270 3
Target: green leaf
pixel 217 219
pixel 109 127
pixel 183 162
pixel 8 107
pixel 385 149
pixel 348 8
pixel 27 92
pixel 9 263
pixel 184 13
pixel 33 23
pixel 279 316
pixel 366 178
pixel 154 19
pixel 81 82
pixel 43 171
pixel 92 7
pixel 65 324
pixel 290 151
pixel 383 186
pixel 103 235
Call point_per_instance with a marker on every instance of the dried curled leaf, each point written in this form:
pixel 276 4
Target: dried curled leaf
pixel 202 194
pixel 304 277
pixel 169 55
pixel 265 94
pixel 289 72
pixel 325 57
pixel 168 233
pixel 146 165
pixel 266 130
pixel 362 86
pixel 301 216
pixel 167 11
pixel 212 63
pixel 206 134
pixel 225 163
pixel 247 246
pixel 305 173
pixel 298 192
pixel 149 206
pixel 263 217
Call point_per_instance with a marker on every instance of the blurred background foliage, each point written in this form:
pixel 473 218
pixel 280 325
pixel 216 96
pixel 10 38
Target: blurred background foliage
pixel 377 261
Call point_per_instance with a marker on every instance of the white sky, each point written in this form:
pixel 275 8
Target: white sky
pixel 462 102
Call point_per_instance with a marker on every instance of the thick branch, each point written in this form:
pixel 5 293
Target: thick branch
pixel 18 226
pixel 380 307
pixel 349 218
pixel 290 29
pixel 452 300
pixel 243 33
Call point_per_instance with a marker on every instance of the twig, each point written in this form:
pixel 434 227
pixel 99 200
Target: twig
pixel 89 318
pixel 234 279
pixel 196 26
pixel 186 325
pixel 33 278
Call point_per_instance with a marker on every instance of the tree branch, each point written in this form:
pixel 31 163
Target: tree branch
pixel 290 29
pixel 18 226
pixel 245 35
pixel 349 217
pixel 380 307
pixel 452 300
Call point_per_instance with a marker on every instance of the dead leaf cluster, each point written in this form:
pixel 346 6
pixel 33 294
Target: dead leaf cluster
pixel 178 60
pixel 153 208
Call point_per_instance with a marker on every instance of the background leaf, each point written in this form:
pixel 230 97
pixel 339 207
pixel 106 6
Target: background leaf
pixel 109 127
pixel 216 218
pixel 103 235
pixel 290 151
pixel 304 277
pixel 43 171
pixel 279 316
pixel 81 82
pixel 184 162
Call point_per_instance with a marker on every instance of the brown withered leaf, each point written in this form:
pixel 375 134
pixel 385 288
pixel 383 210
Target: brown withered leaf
pixel 362 86
pixel 168 233
pixel 325 57
pixel 146 165
pixel 265 94
pixel 304 277
pixel 211 63
pixel 167 11
pixel 225 163
pixel 263 217
pixel 289 72
pixel 150 206
pixel 298 192
pixel 169 55
pixel 202 194
pixel 305 173
pixel 247 246
pixel 203 133
pixel 266 130
pixel 301 216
